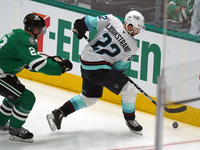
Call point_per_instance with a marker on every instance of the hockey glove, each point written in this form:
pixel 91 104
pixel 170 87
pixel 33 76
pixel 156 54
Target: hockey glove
pixel 79 34
pixel 79 28
pixel 64 63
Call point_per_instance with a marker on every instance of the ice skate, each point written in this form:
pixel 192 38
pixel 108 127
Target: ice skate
pixel 55 119
pixel 4 129
pixel 20 134
pixel 134 126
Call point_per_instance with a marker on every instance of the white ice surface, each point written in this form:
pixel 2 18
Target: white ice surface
pixel 99 127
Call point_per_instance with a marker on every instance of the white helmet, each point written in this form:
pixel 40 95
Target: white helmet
pixel 134 18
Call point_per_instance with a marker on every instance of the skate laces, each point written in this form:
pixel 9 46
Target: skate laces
pixel 134 123
pixel 20 130
pixel 23 130
pixel 59 113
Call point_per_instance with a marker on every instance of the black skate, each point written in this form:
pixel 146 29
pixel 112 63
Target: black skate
pixel 20 134
pixel 55 119
pixel 4 129
pixel 134 126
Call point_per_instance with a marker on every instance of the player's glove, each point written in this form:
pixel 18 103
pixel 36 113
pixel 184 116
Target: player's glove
pixel 79 29
pixel 79 34
pixel 64 63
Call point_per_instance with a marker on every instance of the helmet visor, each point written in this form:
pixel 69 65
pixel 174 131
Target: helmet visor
pixel 44 30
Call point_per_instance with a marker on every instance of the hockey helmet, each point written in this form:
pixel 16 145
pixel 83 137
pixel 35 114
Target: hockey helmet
pixel 135 19
pixel 33 20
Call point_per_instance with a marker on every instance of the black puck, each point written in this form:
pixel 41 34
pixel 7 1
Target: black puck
pixel 175 125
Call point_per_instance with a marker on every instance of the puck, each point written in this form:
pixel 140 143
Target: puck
pixel 175 125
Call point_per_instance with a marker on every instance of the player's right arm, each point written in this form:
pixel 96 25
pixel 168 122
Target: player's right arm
pixel 172 8
pixel 34 61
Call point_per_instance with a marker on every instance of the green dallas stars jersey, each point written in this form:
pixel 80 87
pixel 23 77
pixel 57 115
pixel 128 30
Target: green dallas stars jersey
pixel 173 4
pixel 18 49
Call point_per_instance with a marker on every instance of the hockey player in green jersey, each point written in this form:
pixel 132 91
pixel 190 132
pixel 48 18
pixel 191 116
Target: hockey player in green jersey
pixel 179 13
pixel 180 10
pixel 18 50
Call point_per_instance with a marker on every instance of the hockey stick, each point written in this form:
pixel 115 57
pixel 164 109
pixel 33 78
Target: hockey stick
pixel 76 32
pixel 183 101
pixel 87 38
pixel 169 110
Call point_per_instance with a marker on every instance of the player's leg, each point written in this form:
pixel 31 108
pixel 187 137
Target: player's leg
pixel 118 83
pixel 90 94
pixel 15 107
pixel 10 88
pixel 5 114
pixel 4 129
pixel 20 112
pixel 4 124
pixel 129 94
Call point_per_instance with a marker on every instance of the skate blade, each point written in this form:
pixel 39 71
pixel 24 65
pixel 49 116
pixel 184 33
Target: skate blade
pixel 137 132
pixel 16 138
pixel 52 125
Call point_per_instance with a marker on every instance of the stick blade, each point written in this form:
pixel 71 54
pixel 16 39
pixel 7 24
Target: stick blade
pixel 175 110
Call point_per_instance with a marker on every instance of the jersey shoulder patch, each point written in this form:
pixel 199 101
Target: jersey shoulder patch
pixel 32 41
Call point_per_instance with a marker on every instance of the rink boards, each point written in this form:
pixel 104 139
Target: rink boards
pixel 145 67
pixel 72 82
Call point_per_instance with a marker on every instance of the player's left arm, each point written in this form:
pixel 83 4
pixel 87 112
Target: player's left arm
pixel 120 66
pixel 88 23
pixel 123 64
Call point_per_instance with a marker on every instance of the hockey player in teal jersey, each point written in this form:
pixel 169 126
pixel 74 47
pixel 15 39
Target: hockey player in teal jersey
pixel 18 50
pixel 103 61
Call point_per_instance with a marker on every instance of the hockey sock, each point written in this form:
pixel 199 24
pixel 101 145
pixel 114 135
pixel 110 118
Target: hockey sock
pixel 67 108
pixel 128 110
pixel 129 116
pixel 21 109
pixel 73 104
pixel 5 112
pixel 18 116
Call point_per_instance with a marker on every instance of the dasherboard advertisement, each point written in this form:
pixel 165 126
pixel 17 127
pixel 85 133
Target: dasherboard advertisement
pixel 60 40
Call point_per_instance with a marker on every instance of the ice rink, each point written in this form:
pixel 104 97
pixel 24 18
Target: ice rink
pixel 100 127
